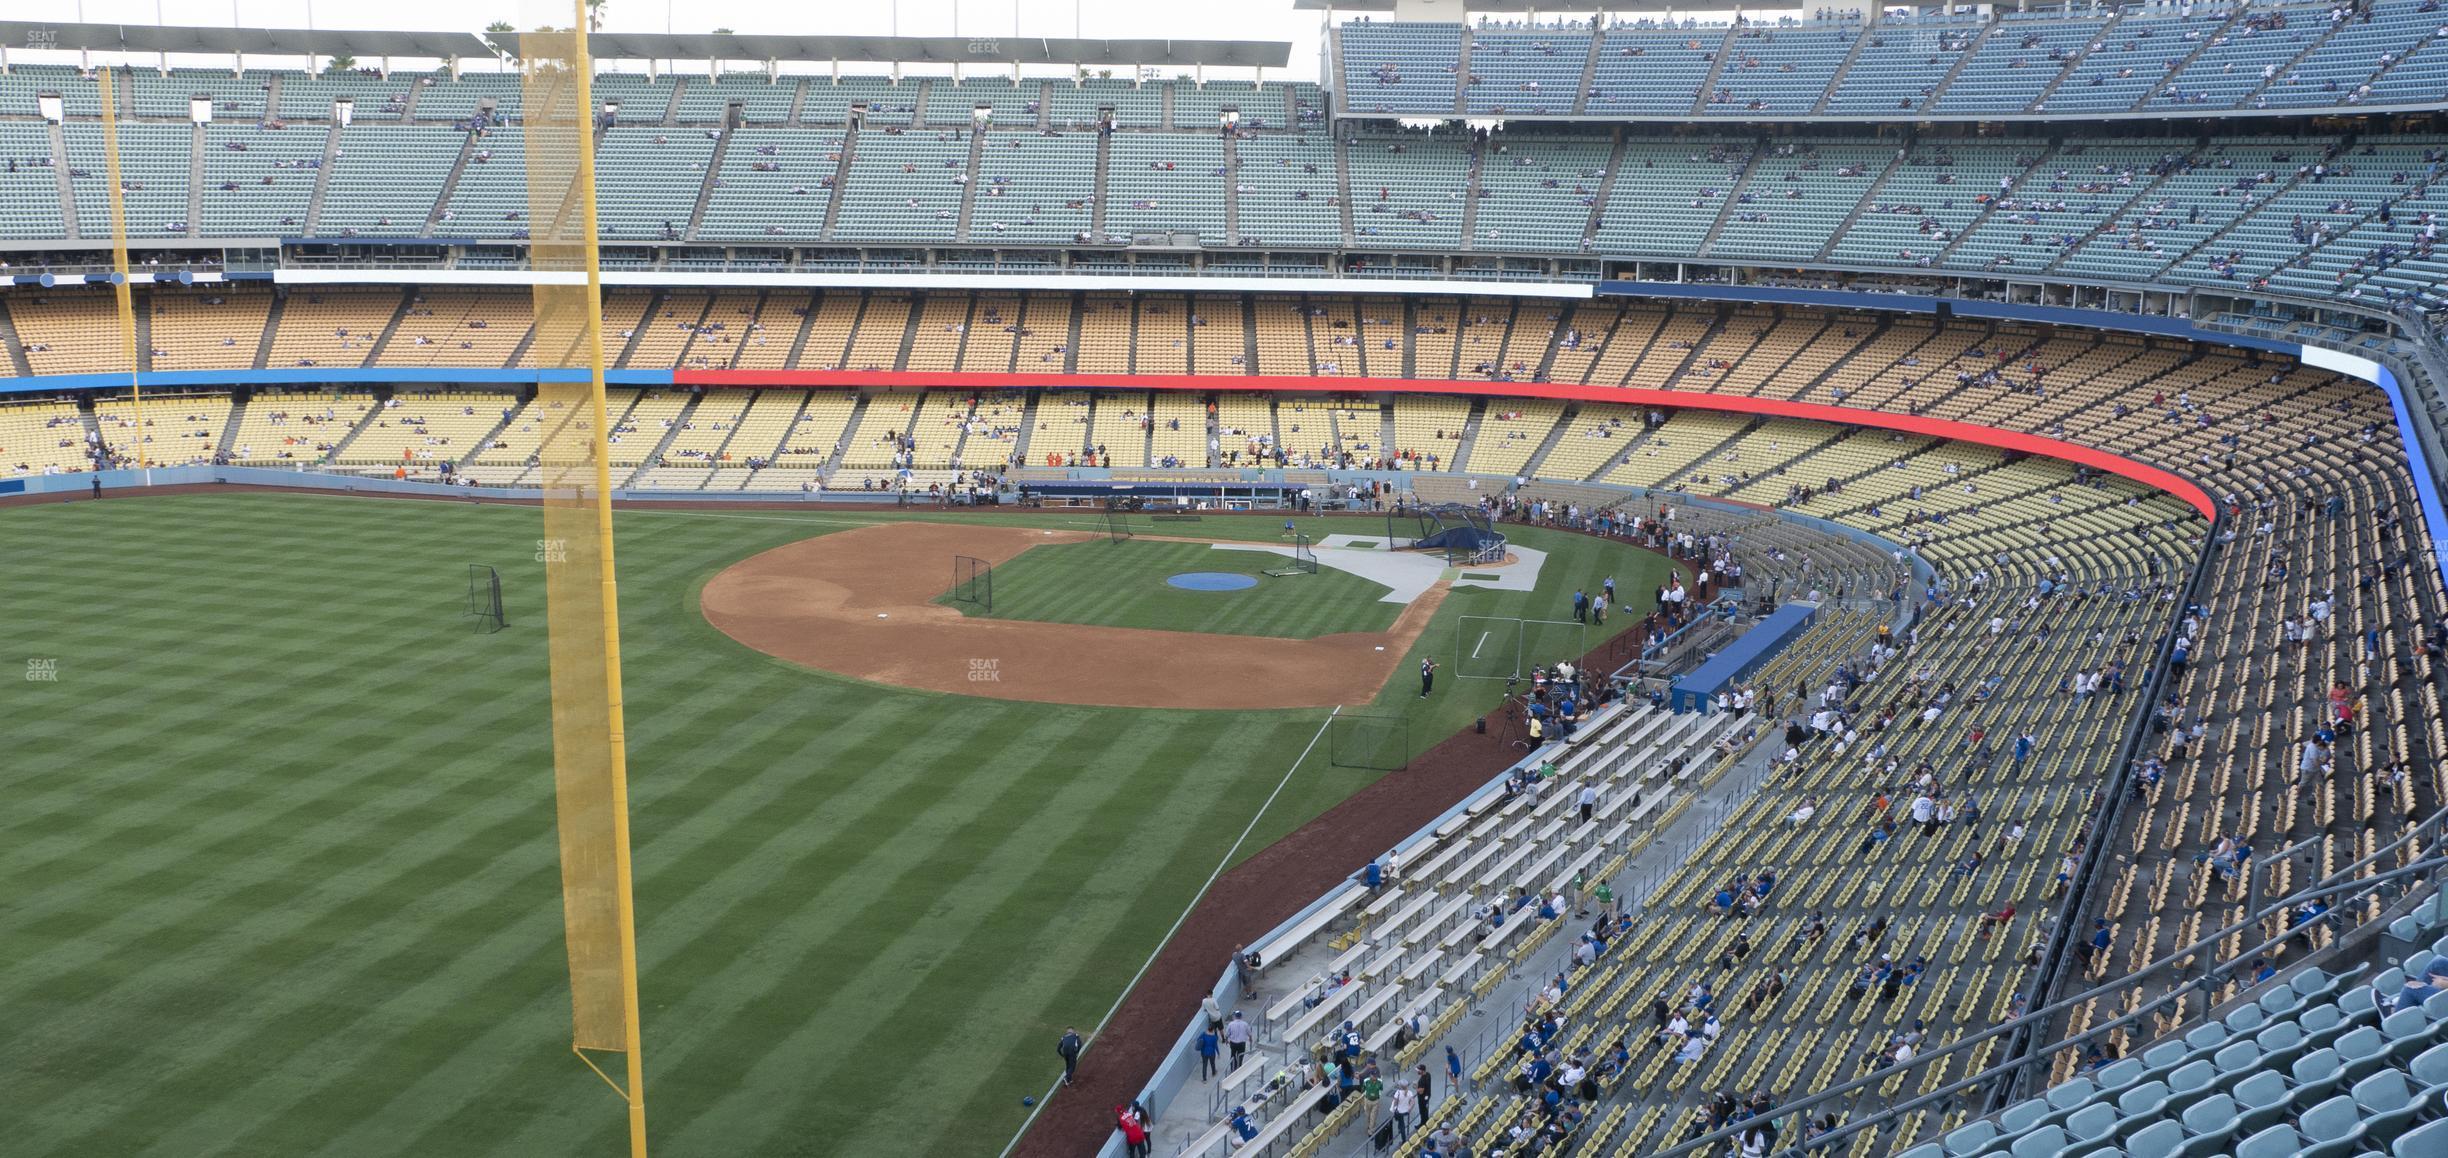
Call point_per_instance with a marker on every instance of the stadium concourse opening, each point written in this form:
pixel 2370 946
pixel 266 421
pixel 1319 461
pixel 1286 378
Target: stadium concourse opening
pixel 859 603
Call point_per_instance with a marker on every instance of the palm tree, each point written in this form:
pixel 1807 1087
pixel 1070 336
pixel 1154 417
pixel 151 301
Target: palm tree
pixel 595 15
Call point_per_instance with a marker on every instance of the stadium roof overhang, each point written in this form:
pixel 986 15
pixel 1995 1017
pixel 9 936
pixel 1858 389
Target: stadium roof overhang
pixel 926 49
pixel 70 37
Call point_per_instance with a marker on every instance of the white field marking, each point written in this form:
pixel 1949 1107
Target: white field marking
pixel 1483 638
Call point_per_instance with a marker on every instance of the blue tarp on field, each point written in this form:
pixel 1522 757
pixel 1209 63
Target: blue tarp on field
pixel 1742 657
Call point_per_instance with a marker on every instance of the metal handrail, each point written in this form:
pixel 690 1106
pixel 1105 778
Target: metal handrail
pixel 2029 1021
pixel 2109 819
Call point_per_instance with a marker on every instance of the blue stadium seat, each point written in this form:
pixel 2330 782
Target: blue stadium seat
pixel 2279 1141
pixel 2323 1070
pixel 2157 1140
pixel 2335 1128
pixel 2189 1081
pixel 2431 1141
pixel 2387 1102
pixel 2072 1092
pixel 2022 1116
pixel 2281 1044
pixel 2094 1122
pixel 2042 1142
pixel 2430 1067
pixel 2119 1074
pixel 2145 1101
pixel 1970 1138
pixel 2217 1114
pixel 2264 1096
pixel 2237 1056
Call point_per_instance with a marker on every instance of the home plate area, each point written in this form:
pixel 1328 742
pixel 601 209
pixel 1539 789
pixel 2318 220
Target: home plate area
pixel 1407 575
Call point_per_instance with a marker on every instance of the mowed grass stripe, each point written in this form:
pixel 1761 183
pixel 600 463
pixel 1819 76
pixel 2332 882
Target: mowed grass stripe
pixel 860 886
pixel 261 915
pixel 813 854
pixel 1053 873
pixel 1089 949
pixel 330 802
pixel 1083 961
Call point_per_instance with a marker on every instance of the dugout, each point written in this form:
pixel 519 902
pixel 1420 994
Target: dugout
pixel 1740 658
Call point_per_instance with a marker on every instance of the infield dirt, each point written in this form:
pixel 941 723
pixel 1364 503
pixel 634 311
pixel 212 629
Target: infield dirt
pixel 860 603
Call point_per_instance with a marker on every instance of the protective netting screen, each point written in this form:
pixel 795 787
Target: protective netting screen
pixel 576 547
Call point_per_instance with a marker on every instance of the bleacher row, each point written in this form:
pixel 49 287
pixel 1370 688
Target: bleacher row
pixel 1428 947
pixel 1971 371
pixel 1443 935
pixel 2292 213
pixel 411 96
pixel 1937 63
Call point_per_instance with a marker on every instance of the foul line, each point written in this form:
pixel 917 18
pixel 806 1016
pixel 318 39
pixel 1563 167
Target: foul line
pixel 1167 939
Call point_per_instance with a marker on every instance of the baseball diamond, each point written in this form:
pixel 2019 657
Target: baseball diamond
pixel 1273 580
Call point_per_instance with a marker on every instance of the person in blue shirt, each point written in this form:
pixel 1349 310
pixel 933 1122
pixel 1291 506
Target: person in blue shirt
pixel 2263 970
pixel 1242 1127
pixel 2101 939
pixel 1207 1044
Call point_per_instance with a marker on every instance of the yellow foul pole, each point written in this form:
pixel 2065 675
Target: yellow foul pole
pixel 635 1047
pixel 590 762
pixel 119 261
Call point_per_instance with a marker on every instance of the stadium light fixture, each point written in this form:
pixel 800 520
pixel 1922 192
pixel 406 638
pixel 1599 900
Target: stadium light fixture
pixel 50 105
pixel 200 109
pixel 344 110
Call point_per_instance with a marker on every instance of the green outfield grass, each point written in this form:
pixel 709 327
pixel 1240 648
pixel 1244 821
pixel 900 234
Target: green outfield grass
pixel 282 874
pixel 1122 584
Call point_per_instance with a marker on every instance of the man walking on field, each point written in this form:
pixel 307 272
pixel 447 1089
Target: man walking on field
pixel 1428 668
pixel 1069 1048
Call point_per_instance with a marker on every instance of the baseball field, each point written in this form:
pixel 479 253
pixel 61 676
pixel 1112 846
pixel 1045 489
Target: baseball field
pixel 278 830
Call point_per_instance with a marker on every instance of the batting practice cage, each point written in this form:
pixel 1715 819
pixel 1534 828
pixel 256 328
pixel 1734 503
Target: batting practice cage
pixel 1463 534
pixel 484 600
pixel 1117 524
pixel 1490 647
pixel 1382 742
pixel 973 582
pixel 1303 561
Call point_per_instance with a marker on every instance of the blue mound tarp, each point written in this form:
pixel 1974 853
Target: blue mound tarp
pixel 1740 658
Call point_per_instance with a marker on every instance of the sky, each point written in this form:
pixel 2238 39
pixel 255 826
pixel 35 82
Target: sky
pixel 1096 19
